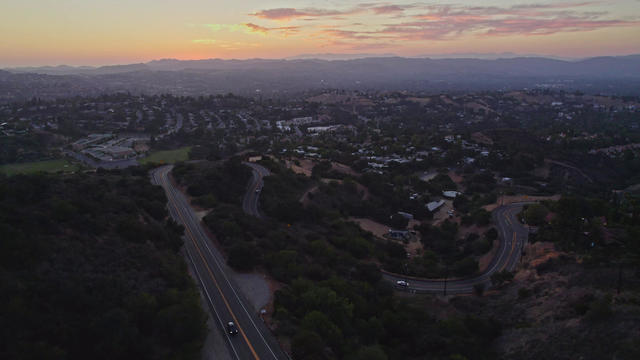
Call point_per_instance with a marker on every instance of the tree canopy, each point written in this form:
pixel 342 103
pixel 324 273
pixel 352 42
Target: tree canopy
pixel 89 270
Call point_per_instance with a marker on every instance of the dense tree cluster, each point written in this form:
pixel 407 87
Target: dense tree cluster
pixel 604 233
pixel 281 194
pixel 212 184
pixel 334 303
pixel 89 270
pixel 28 147
pixel 359 319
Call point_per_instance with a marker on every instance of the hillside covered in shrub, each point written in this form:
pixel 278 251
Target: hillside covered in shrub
pixel 89 269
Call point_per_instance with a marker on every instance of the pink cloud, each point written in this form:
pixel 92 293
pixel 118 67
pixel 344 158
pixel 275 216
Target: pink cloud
pixel 420 22
pixel 447 28
pixel 390 9
pixel 284 30
pixel 286 14
pixel 442 22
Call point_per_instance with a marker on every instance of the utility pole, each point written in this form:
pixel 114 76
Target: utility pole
pixel 619 277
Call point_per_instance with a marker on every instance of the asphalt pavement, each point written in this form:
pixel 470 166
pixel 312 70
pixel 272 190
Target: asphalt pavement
pixel 251 197
pixel 513 237
pixel 254 340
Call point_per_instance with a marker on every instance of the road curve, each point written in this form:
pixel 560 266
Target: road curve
pixel 513 236
pixel 251 197
pixel 254 340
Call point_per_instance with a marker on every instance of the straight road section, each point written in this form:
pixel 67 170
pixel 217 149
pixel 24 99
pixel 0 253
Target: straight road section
pixel 254 340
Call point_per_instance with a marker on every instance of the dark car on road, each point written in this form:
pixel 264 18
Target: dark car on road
pixel 232 329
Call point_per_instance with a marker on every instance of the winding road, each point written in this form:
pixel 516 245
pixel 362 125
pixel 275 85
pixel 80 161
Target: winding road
pixel 254 340
pixel 251 197
pixel 513 237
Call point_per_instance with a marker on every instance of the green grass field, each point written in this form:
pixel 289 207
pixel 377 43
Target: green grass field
pixel 167 156
pixel 38 166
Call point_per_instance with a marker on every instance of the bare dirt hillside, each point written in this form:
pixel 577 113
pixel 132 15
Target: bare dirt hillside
pixel 558 307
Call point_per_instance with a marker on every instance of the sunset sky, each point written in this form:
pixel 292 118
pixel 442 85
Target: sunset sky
pixel 98 32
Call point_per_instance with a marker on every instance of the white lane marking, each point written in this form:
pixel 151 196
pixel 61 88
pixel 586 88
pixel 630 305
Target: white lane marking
pixel 195 268
pixel 502 251
pixel 173 212
pixel 224 275
pixel 486 275
pixel 180 198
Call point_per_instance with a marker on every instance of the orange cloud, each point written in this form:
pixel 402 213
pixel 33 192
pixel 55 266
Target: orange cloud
pixel 256 28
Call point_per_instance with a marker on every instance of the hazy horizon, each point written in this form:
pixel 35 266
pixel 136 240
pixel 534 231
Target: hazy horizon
pixel 327 57
pixel 40 32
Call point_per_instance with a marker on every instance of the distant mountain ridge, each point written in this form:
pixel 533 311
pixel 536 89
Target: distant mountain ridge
pixel 530 66
pixel 612 75
pixel 333 56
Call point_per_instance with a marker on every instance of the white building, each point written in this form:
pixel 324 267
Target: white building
pixel 451 194
pixel 434 205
